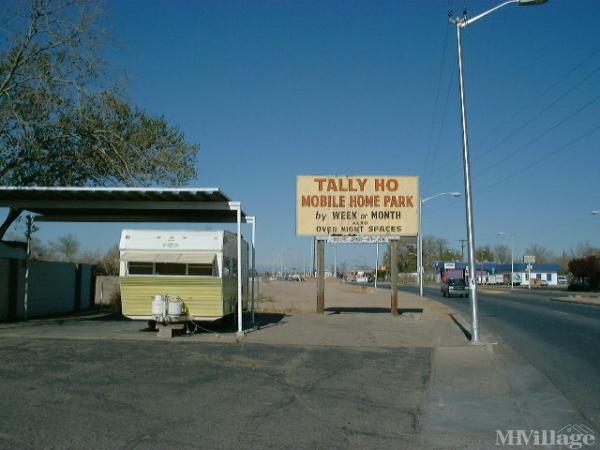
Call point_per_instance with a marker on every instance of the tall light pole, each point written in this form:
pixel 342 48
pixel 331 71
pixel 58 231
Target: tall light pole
pixel 512 256
pixel 420 240
pixel 281 261
pixel 460 24
pixel 335 261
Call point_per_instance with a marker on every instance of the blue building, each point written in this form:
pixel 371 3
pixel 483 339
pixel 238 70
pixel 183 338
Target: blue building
pixel 499 273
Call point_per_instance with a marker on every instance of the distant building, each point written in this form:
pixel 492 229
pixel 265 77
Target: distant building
pixel 499 273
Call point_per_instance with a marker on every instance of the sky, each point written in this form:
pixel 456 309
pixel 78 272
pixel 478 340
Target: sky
pixel 275 89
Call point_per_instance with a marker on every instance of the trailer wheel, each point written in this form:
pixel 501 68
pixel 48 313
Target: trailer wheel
pixel 152 325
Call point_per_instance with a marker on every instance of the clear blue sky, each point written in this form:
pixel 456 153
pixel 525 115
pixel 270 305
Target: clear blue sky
pixel 273 89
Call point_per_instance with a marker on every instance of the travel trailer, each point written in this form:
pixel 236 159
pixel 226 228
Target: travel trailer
pixel 169 276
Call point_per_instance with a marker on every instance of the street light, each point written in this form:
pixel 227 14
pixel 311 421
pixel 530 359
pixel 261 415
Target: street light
pixel 596 212
pixel 420 241
pixel 512 256
pixel 463 23
pixel 281 261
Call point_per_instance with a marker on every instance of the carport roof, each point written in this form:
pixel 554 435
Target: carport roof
pixel 122 204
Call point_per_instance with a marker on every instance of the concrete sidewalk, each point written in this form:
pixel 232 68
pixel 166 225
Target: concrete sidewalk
pixel 354 377
pixel 473 390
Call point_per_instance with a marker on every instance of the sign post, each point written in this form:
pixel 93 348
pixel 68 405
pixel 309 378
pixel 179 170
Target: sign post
pixel 320 275
pixel 394 280
pixel 529 260
pixel 356 209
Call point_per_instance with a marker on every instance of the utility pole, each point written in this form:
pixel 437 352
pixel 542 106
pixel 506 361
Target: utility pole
pixel 462 249
pixel 376 262
pixel 28 234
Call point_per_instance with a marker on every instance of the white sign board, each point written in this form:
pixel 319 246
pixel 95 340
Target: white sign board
pixel 527 259
pixel 449 266
pixel 358 240
pixel 332 205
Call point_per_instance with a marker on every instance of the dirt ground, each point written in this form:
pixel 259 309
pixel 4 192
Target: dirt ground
pixel 294 296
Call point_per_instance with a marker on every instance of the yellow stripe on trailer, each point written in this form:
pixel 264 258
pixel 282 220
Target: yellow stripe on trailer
pixel 202 296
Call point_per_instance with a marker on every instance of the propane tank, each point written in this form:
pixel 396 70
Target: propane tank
pixel 175 307
pixel 158 305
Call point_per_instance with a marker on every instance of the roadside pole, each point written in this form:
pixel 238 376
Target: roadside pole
pixel 27 267
pixel 376 262
pixel 394 280
pixel 321 276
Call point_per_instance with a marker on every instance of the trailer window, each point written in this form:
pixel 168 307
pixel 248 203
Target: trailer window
pixel 169 269
pixel 234 268
pixel 140 268
pixel 200 269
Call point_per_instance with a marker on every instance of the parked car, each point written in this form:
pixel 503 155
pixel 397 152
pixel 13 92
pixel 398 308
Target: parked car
pixel 562 280
pixel 456 287
pixel 544 283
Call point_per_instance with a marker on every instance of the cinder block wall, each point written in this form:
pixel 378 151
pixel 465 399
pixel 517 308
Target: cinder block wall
pixel 4 278
pixel 54 288
pixel 51 288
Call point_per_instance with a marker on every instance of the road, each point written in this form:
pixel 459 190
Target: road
pixel 559 339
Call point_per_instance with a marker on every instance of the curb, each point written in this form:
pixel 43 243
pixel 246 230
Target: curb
pixel 577 302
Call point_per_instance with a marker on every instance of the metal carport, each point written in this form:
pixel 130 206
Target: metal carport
pixel 123 204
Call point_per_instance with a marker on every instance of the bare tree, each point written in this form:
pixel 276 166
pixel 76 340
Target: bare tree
pixel 502 253
pixel 109 264
pixel 541 253
pixel 66 248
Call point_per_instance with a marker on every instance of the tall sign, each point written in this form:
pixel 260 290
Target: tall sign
pixel 357 205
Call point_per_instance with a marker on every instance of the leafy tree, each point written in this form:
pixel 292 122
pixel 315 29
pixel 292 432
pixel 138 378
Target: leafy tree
pixel 586 268
pixel 484 254
pixel 434 250
pixel 59 125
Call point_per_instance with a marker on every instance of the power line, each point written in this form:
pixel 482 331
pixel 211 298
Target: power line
pixel 538 161
pixel 546 90
pixel 544 110
pixel 538 137
pixel 436 103
pixel 545 157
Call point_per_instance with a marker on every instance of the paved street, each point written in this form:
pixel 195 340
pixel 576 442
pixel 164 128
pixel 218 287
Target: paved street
pixel 559 339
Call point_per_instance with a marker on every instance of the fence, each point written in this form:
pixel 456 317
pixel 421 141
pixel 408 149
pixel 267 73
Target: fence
pixel 54 288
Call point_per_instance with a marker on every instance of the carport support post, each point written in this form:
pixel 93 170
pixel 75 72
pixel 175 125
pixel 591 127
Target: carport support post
pixel 321 275
pixel 394 280
pixel 239 269
pixel 27 266
pixel 252 221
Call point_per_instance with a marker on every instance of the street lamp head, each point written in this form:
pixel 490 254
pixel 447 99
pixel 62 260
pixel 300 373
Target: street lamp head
pixel 531 2
pixel 455 194
pixel 596 212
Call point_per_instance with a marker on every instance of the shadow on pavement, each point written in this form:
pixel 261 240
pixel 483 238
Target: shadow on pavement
pixel 370 309
pixel 356 309
pixel 466 332
pixel 228 325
